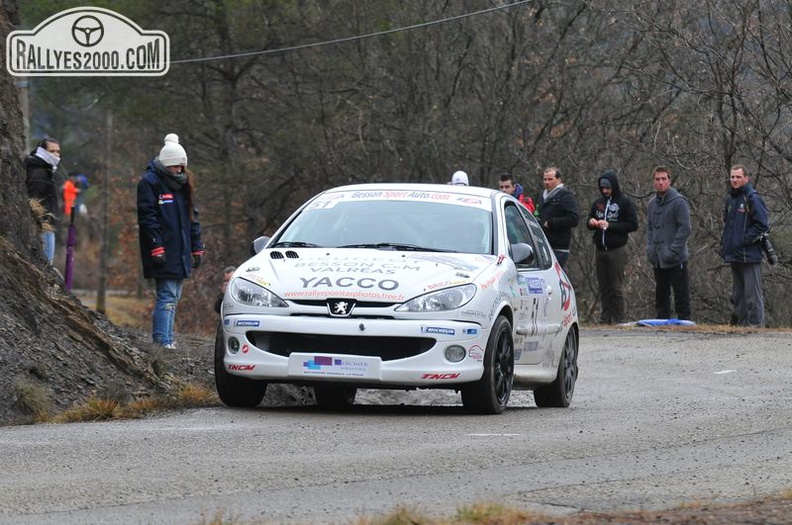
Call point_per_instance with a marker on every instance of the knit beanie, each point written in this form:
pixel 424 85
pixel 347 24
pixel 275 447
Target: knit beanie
pixel 172 153
pixel 459 178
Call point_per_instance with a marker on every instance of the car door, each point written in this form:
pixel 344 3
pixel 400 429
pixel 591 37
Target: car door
pixel 532 333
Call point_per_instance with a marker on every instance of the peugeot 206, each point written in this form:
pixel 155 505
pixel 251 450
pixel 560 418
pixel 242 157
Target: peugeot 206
pixel 401 286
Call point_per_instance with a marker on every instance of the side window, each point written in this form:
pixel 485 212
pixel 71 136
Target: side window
pixel 542 247
pixel 517 231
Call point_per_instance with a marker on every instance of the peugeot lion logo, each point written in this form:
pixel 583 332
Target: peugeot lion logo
pixel 340 307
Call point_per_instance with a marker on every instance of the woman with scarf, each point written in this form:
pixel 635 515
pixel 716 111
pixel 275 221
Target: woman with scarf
pixel 43 185
pixel 170 235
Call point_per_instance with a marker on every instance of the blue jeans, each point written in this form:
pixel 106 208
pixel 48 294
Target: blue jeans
pixel 48 238
pixel 168 295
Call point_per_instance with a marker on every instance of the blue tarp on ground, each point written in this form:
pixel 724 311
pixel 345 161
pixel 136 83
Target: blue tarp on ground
pixel 664 322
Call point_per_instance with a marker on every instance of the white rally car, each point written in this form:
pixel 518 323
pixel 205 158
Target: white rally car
pixel 402 286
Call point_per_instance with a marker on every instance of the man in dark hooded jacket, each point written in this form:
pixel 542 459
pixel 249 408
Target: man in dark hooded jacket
pixel 745 220
pixel 612 218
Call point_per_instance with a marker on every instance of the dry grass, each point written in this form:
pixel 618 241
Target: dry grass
pixel 33 398
pixel 105 409
pixel 123 310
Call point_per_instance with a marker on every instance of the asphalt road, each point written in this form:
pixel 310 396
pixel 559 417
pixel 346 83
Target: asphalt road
pixel 659 419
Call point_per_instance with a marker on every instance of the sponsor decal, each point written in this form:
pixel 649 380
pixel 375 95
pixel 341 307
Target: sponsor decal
pixel 535 285
pixel 226 322
pixel 246 322
pixel 252 269
pixel 440 376
pixel 345 282
pixel 437 330
pixel 245 349
pixel 565 286
pixel 87 41
pixel 336 366
pixel 470 331
pixel 241 368
pixel 476 353
pixel 165 198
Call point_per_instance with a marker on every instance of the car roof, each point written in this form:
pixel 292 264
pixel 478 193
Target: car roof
pixel 403 186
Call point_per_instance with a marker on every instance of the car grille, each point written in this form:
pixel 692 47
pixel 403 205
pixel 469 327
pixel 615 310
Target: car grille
pixel 387 348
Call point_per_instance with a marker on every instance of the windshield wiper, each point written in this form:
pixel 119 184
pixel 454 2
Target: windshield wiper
pixel 395 246
pixel 294 244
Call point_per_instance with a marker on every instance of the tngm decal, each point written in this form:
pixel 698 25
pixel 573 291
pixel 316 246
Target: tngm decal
pixel 440 376
pixel 165 198
pixel 566 287
pixel 241 368
pixel 535 285
pixel 246 322
pixel 437 330
pixel 476 353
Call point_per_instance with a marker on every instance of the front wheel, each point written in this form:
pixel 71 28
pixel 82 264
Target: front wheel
pixel 559 392
pixel 234 391
pixel 490 394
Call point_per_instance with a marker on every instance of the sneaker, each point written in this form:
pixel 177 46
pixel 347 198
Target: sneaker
pixel 170 346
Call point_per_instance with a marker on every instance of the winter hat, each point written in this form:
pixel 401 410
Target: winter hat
pixel 172 153
pixel 604 183
pixel 460 178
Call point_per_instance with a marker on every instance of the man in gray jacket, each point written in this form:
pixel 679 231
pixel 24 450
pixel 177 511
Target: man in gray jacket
pixel 667 232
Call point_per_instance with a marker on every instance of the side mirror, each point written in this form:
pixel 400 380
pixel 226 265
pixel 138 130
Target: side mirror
pixel 259 244
pixel 522 253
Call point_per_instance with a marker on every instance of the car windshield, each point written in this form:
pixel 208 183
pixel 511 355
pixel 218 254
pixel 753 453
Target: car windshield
pixel 341 220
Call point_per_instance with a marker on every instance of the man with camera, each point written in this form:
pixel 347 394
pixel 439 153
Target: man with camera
pixel 746 224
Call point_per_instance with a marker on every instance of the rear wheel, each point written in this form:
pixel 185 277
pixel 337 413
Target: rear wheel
pixel 335 397
pixel 234 391
pixel 559 392
pixel 490 394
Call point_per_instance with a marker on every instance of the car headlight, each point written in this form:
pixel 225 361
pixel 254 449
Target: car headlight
pixel 441 300
pixel 245 292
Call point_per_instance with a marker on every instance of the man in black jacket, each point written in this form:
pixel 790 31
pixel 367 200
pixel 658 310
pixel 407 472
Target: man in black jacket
pixel 612 218
pixel 558 213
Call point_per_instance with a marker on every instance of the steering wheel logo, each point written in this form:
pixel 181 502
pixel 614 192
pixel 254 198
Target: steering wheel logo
pixel 87 31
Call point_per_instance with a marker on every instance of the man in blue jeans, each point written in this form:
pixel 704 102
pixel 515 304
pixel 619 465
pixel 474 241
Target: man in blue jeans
pixel 170 235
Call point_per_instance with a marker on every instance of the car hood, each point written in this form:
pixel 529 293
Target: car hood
pixel 364 274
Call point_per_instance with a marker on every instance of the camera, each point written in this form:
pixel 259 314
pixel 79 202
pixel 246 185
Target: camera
pixel 767 247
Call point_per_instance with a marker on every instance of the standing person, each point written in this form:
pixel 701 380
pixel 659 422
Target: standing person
pixel 507 184
pixel 43 184
pixel 170 235
pixel 667 232
pixel 745 220
pixel 70 193
pixel 228 272
pixel 459 178
pixel 558 213
pixel 613 218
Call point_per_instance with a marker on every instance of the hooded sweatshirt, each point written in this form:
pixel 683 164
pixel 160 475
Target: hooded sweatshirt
pixel 618 210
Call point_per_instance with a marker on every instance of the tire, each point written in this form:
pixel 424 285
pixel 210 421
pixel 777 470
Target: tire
pixel 490 394
pixel 234 391
pixel 559 393
pixel 334 397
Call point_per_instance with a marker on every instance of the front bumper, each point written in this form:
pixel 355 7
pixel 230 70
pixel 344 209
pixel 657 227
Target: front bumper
pixel 376 352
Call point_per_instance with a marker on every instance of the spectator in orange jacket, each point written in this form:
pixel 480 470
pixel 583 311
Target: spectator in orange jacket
pixel 70 192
